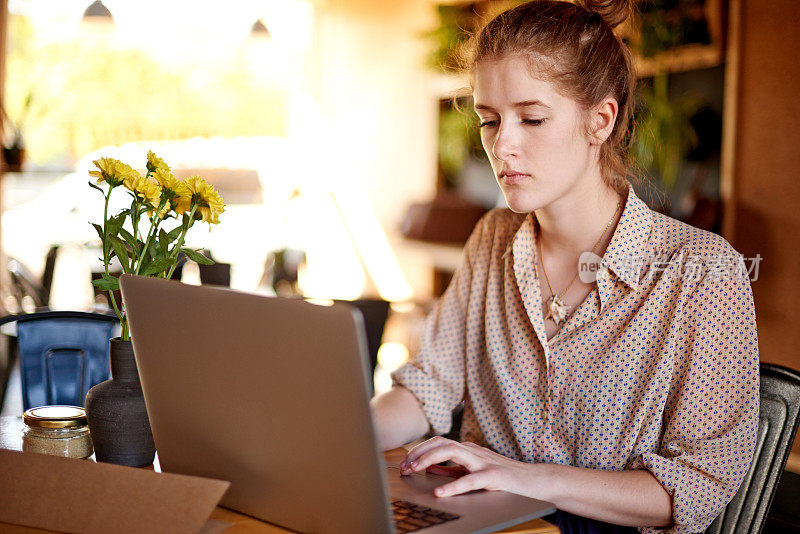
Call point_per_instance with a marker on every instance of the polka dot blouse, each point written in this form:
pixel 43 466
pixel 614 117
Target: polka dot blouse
pixel 656 369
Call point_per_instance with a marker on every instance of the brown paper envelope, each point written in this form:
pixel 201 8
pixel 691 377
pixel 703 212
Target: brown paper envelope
pixel 80 496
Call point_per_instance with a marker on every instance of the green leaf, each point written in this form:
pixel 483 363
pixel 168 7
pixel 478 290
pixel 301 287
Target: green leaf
pixel 95 186
pixel 107 283
pixel 115 223
pixel 196 256
pixel 121 251
pixel 157 267
pixel 153 250
pixel 128 237
pixel 163 243
pixel 145 262
pixel 174 234
pixel 99 230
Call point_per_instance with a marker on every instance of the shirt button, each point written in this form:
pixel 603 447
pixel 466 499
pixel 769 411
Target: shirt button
pixel 544 413
pixel 602 273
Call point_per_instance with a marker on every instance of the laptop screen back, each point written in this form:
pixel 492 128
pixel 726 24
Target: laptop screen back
pixel 268 393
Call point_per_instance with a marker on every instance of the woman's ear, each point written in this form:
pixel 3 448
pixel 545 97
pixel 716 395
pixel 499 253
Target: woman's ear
pixel 602 120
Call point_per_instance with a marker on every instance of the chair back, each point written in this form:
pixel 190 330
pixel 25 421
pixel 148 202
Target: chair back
pixel 49 272
pixel 777 423
pixel 375 312
pixel 62 355
pixel 218 274
pixel 25 286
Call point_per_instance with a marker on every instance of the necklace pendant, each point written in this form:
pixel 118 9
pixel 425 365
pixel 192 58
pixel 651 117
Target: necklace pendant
pixel 557 310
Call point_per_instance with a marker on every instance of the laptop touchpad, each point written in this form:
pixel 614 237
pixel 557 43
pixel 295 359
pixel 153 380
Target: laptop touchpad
pixel 415 483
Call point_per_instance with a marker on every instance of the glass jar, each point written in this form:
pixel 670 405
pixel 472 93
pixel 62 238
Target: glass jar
pixel 58 431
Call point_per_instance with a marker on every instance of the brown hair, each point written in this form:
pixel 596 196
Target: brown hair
pixel 574 46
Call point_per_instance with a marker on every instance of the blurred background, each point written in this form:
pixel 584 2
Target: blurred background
pixel 331 129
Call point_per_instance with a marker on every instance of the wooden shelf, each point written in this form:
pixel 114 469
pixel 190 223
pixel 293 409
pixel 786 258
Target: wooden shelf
pixel 685 58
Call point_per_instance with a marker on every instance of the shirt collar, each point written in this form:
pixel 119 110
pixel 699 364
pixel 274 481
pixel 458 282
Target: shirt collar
pixel 627 252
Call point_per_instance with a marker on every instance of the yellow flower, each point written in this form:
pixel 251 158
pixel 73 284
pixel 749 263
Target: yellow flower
pixel 154 163
pixel 174 190
pixel 131 176
pixel 147 191
pixel 207 200
pixel 162 213
pixel 114 172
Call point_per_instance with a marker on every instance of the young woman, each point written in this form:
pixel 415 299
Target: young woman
pixel 626 393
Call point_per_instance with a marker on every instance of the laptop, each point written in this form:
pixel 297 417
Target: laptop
pixel 271 394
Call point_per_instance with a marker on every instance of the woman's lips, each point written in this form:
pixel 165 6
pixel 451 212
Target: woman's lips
pixel 513 178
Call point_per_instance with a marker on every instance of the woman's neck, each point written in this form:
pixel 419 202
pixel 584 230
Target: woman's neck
pixel 573 224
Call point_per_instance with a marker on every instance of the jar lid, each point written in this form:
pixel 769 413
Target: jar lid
pixel 55 417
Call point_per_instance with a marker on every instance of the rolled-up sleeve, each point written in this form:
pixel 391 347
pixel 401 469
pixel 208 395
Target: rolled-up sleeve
pixel 711 412
pixel 435 375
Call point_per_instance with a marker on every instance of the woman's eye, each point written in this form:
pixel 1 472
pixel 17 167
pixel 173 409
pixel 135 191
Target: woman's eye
pixel 493 123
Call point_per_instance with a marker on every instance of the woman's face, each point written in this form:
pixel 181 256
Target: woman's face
pixel 533 135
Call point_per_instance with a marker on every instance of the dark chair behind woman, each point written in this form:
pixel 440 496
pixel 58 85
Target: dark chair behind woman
pixel 375 312
pixel 779 415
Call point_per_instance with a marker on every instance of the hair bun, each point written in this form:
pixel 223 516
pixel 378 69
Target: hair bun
pixel 614 12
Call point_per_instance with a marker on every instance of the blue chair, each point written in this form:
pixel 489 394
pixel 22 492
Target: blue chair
pixel 62 354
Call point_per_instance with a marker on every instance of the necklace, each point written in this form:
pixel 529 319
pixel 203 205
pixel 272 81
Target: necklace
pixel 556 308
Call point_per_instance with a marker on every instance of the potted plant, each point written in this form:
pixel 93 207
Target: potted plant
pixel 664 132
pixel 146 239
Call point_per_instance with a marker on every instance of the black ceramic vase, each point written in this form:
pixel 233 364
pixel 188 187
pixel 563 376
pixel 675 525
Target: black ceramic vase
pixel 117 415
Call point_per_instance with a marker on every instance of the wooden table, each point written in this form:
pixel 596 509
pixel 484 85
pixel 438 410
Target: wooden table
pixel 11 438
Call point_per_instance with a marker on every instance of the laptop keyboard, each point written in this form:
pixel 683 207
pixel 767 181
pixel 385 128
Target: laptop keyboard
pixel 409 517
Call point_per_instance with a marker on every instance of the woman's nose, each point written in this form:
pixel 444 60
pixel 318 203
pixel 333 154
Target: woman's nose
pixel 504 143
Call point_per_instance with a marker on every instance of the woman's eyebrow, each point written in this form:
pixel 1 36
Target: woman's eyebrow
pixel 522 104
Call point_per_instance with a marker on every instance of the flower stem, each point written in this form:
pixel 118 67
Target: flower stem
pixel 106 261
pixel 180 242
pixel 155 222
pixel 135 218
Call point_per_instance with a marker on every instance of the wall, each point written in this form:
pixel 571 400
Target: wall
pixel 763 189
pixel 373 89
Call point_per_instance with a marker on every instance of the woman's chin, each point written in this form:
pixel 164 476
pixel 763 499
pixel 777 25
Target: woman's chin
pixel 520 203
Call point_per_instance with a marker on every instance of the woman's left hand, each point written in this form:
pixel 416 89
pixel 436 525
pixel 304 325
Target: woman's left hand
pixel 486 469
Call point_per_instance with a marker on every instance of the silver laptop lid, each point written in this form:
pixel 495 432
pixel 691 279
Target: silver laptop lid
pixel 268 393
